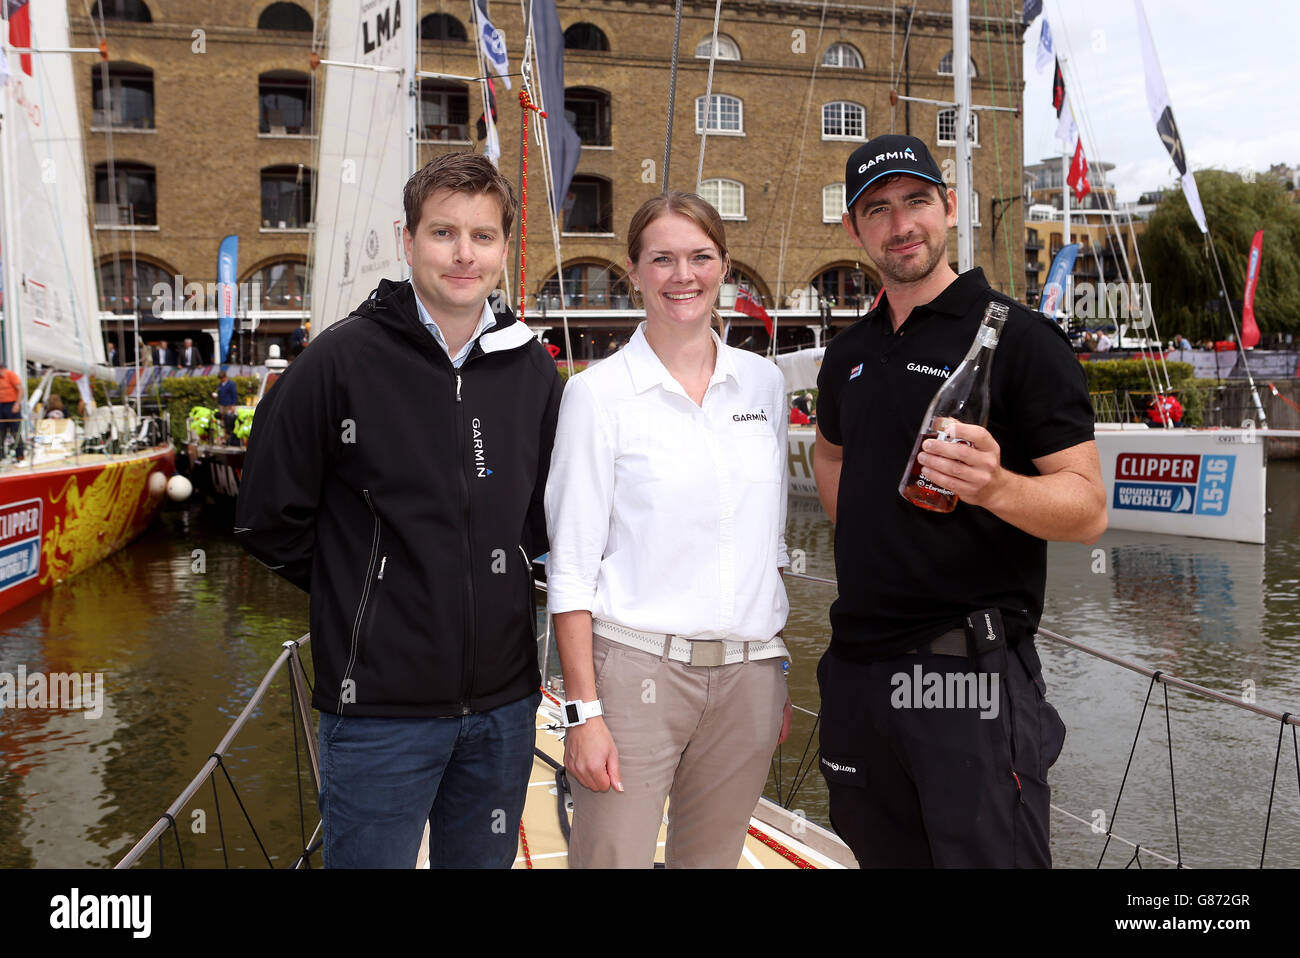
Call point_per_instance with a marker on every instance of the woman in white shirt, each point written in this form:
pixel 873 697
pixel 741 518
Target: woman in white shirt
pixel 666 511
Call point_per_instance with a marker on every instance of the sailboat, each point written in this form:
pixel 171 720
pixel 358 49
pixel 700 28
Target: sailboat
pixel 86 489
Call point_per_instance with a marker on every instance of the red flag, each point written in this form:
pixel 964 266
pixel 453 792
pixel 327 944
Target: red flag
pixel 20 32
pixel 748 304
pixel 1250 331
pixel 1058 89
pixel 1078 178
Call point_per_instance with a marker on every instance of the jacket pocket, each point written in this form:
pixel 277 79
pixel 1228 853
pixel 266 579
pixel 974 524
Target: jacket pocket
pixel 375 567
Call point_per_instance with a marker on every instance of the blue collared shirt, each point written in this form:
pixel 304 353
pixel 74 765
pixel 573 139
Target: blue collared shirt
pixel 486 322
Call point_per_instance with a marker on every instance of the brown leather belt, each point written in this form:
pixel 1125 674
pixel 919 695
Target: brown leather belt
pixel 950 643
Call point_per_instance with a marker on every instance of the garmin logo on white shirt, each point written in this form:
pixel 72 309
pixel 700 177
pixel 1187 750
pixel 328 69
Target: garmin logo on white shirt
pixel 759 416
pixel 480 464
pixel 929 370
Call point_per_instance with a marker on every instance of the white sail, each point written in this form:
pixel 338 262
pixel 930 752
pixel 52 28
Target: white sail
pixel 49 230
pixel 364 160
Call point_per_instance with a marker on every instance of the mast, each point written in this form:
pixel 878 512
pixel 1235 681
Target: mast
pixel 13 351
pixel 961 94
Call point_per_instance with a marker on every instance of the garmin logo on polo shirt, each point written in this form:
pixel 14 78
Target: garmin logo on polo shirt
pixel 480 464
pixel 930 370
pixel 759 416
pixel 892 155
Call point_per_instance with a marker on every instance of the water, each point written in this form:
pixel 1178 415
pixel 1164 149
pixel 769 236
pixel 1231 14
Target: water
pixel 184 625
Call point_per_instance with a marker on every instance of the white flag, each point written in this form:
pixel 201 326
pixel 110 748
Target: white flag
pixel 1162 112
pixel 493 43
pixel 1066 131
pixel 1044 48
pixel 492 148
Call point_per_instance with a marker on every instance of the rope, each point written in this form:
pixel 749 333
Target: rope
pixel 176 833
pixel 1118 838
pixel 1277 754
pixel 997 137
pixel 221 828
pixel 1178 845
pixel 525 104
pixel 780 849
pixel 708 97
pixel 222 765
pixel 523 843
pixel 1278 395
pixel 672 98
pixel 297 760
pixel 1115 810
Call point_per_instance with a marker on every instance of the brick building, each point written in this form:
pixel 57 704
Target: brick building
pixel 214 108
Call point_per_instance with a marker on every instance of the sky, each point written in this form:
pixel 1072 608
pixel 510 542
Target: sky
pixel 1232 71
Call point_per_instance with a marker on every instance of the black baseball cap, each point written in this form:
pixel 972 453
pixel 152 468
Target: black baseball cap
pixel 883 156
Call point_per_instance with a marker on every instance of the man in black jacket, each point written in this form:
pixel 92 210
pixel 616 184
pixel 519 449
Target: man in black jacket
pixel 396 472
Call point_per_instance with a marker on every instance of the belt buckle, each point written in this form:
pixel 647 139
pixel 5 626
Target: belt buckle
pixel 708 653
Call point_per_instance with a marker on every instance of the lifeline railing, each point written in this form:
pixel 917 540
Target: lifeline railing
pixel 302 721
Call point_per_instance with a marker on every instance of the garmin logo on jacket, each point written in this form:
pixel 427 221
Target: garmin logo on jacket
pixel 930 370
pixel 759 416
pixel 480 464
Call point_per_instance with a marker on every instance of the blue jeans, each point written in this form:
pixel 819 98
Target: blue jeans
pixel 383 778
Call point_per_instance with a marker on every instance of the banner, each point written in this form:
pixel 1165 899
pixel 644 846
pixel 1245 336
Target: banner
pixel 1054 289
pixel 1249 330
pixel 563 140
pixel 1162 112
pixel 1044 55
pixel 1066 131
pixel 227 271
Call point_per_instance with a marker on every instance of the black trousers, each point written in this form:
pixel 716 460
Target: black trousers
pixel 917 779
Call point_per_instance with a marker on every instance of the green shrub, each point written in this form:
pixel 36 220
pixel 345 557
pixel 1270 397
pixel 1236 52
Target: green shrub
pixel 1133 377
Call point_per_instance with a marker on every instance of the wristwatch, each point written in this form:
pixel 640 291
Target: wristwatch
pixel 576 712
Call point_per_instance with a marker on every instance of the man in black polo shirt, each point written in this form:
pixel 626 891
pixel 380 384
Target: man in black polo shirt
pixel 936 735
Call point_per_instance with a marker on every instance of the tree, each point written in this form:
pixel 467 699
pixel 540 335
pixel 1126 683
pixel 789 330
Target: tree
pixel 1181 272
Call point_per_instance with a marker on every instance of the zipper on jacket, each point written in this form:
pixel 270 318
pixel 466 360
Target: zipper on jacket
pixel 467 666
pixel 365 594
pixel 382 562
pixel 458 387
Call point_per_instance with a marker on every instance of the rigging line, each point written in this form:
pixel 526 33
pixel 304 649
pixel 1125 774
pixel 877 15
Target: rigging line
pixel 1118 838
pixel 526 14
pixel 672 98
pixel 489 124
pixel 234 791
pixel 1254 392
pixel 708 102
pixel 221 828
pixel 1114 811
pixel 997 137
pixel 1277 754
pixel 1169 735
pixel 893 82
pixel 297 757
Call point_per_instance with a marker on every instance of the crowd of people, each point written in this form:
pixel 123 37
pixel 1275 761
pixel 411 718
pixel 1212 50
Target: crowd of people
pixel 655 485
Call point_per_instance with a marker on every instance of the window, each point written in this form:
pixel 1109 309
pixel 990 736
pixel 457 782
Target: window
pixel 286 197
pixel 842 55
pixel 587 286
pixel 727 197
pixel 727 48
pixel 833 203
pixel 285 16
pixel 120 287
pixel 589 206
pixel 843 121
pixel 585 36
pixel 134 199
pixel 588 111
pixel 133 11
pixel 945 66
pixel 283 284
pixel 947 132
pixel 726 114
pixel 128 104
pixel 444 111
pixel 744 279
pixel 845 286
pixel 284 103
pixel 442 27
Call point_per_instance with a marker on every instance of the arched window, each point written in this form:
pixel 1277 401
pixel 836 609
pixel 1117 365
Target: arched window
pixel 284 103
pixel 946 135
pixel 728 49
pixel 285 16
pixel 727 197
pixel 587 286
pixel 746 278
pixel 585 36
pixel 847 287
pixel 588 110
pixel 842 120
pixel 286 197
pixel 283 284
pixel 726 114
pixel 133 11
pixel 123 289
pixel 945 66
pixel 833 203
pixel 843 55
pixel 442 27
pixel 444 111
pixel 136 199
pixel 127 103
pixel 589 207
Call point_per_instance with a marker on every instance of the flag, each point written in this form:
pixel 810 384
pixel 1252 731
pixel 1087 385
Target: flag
pixel 227 269
pixel 1044 56
pixel 748 304
pixel 1078 178
pixel 493 43
pixel 1249 330
pixel 1162 112
pixel 564 143
pixel 481 125
pixel 1054 288
pixel 1066 131
pixel 19 14
pixel 1032 9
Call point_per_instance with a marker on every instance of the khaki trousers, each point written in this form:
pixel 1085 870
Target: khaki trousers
pixel 700 738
